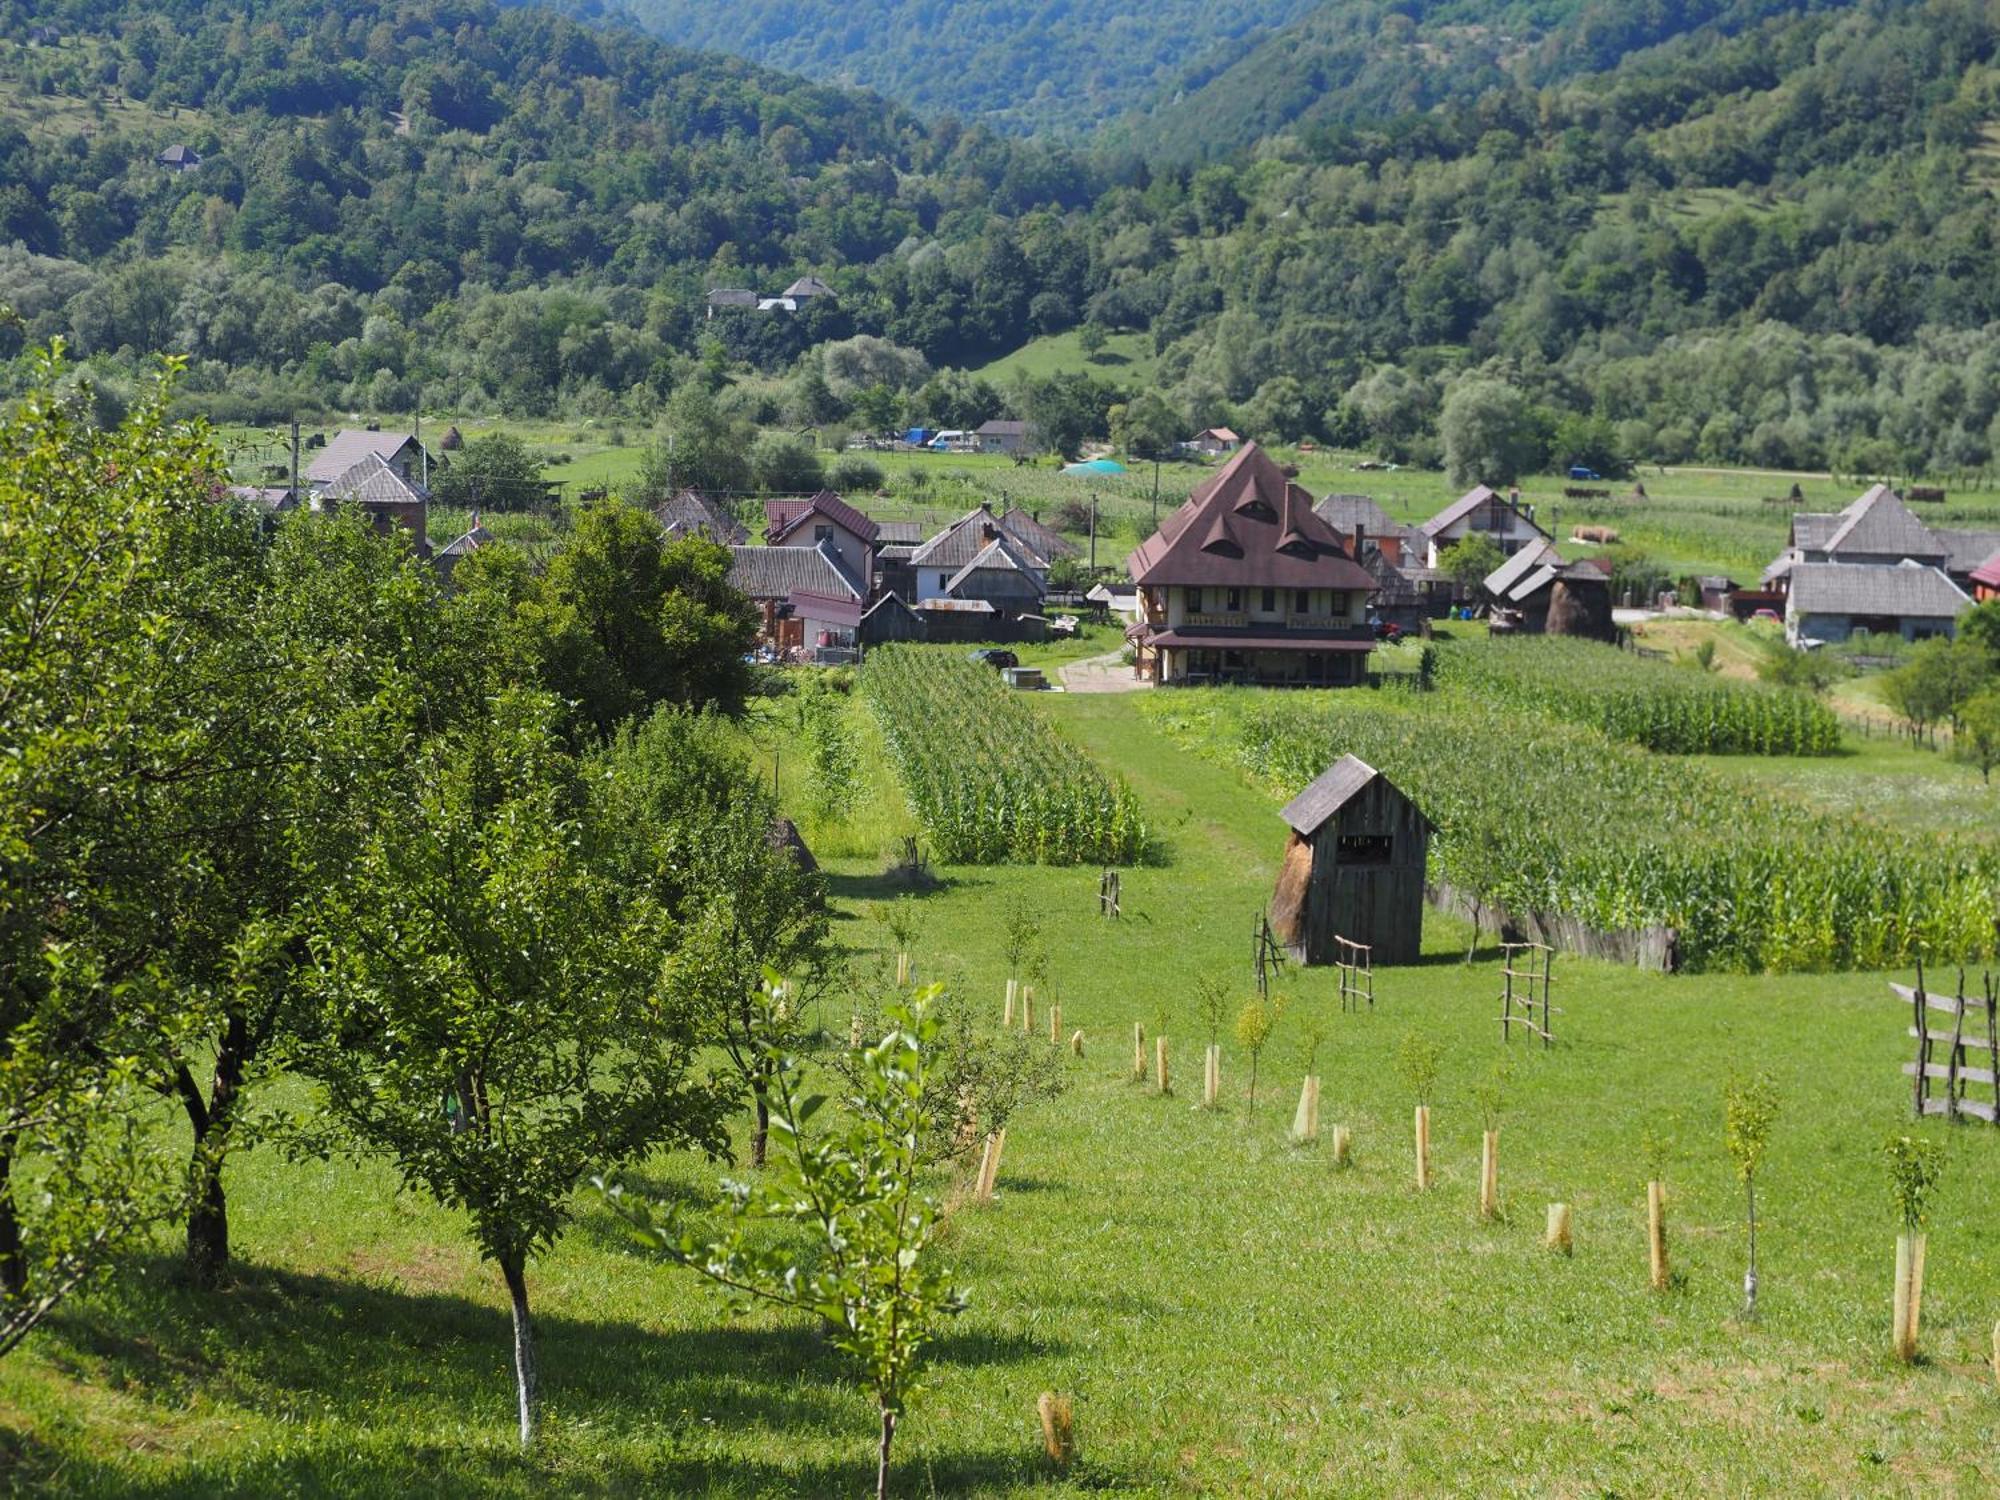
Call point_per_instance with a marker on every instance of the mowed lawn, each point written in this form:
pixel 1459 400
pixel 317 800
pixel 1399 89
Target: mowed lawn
pixel 1232 1314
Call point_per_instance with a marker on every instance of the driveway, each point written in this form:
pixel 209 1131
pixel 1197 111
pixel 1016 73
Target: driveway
pixel 1101 674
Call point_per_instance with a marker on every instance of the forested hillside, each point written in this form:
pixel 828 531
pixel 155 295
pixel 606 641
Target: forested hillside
pixel 1027 68
pixel 1767 239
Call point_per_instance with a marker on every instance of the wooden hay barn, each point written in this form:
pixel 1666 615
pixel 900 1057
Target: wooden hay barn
pixel 1354 868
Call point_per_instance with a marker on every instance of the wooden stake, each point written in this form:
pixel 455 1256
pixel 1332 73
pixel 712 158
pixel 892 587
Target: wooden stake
pixel 1557 1238
pixel 1028 1007
pixel 902 969
pixel 1138 1053
pixel 1423 1148
pixel 1076 1043
pixel 1055 1025
pixel 1343 1146
pixel 1907 1311
pixel 1656 1232
pixel 1007 1015
pixel 1160 1064
pixel 1058 1434
pixel 854 1032
pixel 1305 1122
pixel 989 1165
pixel 1211 1076
pixel 1489 1175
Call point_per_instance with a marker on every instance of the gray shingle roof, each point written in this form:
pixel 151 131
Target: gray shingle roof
pixel 1879 524
pixel 693 513
pixel 1965 550
pixel 370 481
pixel 959 542
pixel 900 533
pixel 1502 579
pixel 1328 793
pixel 775 572
pixel 1810 530
pixel 348 447
pixel 1345 512
pixel 1458 510
pixel 1001 555
pixel 1905 589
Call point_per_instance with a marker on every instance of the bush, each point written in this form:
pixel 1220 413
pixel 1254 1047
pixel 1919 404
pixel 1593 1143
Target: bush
pixel 786 465
pixel 851 474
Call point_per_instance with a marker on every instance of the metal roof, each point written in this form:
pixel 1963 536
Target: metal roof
pixel 783 517
pixel 348 447
pixel 1905 589
pixel 1458 510
pixel 370 481
pixel 1500 582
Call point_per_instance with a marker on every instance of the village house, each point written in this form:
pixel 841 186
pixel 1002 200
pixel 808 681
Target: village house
pixel 1828 602
pixel 382 494
pixel 399 451
pixel 810 600
pixel 977 537
pixel 1213 441
pixel 806 288
pixel 725 298
pixel 1244 583
pixel 1002 435
pixel 1044 541
pixel 826 519
pixel 691 513
pixel 178 158
pixel 1535 592
pixel 446 559
pixel 1480 512
pixel 1878 528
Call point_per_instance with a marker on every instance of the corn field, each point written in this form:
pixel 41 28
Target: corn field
pixel 989 779
pixel 1543 816
pixel 1659 704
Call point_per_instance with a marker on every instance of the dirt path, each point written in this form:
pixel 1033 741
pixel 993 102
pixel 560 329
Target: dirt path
pixel 1101 674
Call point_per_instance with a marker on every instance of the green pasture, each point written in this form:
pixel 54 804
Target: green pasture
pixel 1232 1314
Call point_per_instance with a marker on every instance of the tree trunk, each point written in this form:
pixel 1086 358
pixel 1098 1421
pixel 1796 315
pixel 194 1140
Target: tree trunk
pixel 208 1206
pixel 882 1462
pixel 1750 1276
pixel 760 1132
pixel 13 1270
pixel 526 1373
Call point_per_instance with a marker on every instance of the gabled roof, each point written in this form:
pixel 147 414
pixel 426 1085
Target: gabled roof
pixel 1458 510
pixel 1001 555
pixel 1502 580
pixel 1043 541
pixel 1247 526
pixel 961 541
pixel 1879 524
pixel 472 541
pixel 1221 434
pixel 1346 512
pixel 1332 790
pixel 179 155
pixel 780 572
pixel 899 533
pixel 1966 550
pixel 808 286
pixel 1001 427
pixel 1906 589
pixel 1988 572
pixel 370 481
pixel 784 517
pixel 1810 529
pixel 348 447
pixel 691 513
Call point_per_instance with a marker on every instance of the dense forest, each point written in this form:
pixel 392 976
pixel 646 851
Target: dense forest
pixel 1764 238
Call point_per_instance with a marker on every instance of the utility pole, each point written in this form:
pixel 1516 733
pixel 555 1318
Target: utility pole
pixel 423 455
pixel 1156 492
pixel 1093 533
pixel 295 460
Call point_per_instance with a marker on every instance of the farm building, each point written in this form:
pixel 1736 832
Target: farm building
pixel 1879 529
pixel 1832 601
pixel 1213 441
pixel 1045 542
pixel 382 493
pixel 810 601
pixel 1354 868
pixel 179 158
pixel 1479 511
pixel 890 619
pixel 1002 435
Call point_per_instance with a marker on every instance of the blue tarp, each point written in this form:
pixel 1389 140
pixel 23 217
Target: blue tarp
pixel 1095 466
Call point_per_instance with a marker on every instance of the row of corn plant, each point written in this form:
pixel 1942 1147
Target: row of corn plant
pixel 1642 700
pixel 1537 815
pixel 990 780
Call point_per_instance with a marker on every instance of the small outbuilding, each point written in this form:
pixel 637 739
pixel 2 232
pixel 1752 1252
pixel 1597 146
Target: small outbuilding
pixel 1354 868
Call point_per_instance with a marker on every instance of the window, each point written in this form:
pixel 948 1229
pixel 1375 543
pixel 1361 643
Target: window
pixel 1235 602
pixel 1270 601
pixel 822 533
pixel 1339 609
pixel 1194 601
pixel 1301 601
pixel 1365 848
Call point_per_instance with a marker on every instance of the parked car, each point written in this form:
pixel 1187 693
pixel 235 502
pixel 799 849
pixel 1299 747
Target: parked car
pixel 994 657
pixel 1578 471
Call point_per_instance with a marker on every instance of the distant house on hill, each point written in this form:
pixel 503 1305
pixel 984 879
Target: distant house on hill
pixel 1832 601
pixel 397 450
pixel 381 493
pixel 179 158
pixel 724 298
pixel 1002 435
pixel 1213 441
pixel 1244 583
pixel 1480 512
pixel 806 288
pixel 691 513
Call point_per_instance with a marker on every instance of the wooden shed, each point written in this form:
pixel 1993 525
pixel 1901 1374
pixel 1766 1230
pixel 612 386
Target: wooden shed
pixel 1354 868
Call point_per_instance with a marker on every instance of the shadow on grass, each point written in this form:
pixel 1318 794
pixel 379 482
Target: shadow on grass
pixel 882 887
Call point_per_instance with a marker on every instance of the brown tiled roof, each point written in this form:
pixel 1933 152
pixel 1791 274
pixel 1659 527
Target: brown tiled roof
pixel 784 516
pixel 1247 526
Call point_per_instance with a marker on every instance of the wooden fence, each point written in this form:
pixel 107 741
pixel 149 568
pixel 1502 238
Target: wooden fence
pixel 1953 1054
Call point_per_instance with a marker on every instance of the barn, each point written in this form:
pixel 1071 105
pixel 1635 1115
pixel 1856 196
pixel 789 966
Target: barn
pixel 1354 868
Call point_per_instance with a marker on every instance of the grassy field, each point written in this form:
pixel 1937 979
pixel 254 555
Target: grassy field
pixel 1233 1315
pixel 1127 359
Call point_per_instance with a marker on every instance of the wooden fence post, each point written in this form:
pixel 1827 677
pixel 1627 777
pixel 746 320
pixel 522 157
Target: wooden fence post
pixel 1138 1052
pixel 1055 1025
pixel 1076 1043
pixel 1489 1175
pixel 989 1164
pixel 1656 1233
pixel 1007 1015
pixel 1423 1148
pixel 1028 1007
